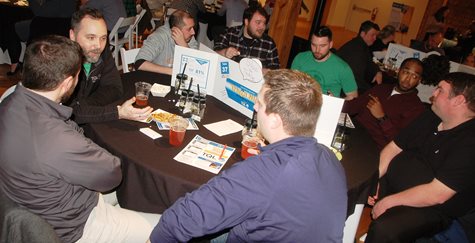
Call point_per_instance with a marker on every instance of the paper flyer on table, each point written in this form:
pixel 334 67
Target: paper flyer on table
pixel 205 154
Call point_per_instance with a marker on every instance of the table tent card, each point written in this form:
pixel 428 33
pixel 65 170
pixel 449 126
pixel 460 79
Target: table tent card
pixel 235 84
pixel 328 119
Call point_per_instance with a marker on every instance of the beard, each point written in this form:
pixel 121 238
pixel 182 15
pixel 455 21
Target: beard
pixel 92 58
pixel 254 35
pixel 67 95
pixel 322 56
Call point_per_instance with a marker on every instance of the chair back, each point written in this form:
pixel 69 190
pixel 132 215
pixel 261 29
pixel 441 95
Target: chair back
pixel 7 92
pixel 18 224
pixel 128 57
pixel 135 28
pixel 116 41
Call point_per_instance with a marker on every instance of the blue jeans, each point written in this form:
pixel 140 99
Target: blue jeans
pixel 453 234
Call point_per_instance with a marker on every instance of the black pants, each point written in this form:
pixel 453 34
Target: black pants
pixel 406 224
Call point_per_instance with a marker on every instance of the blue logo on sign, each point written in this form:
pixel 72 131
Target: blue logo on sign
pixel 224 67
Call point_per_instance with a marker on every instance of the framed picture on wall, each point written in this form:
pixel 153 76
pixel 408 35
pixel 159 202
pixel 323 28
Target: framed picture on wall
pixel 401 16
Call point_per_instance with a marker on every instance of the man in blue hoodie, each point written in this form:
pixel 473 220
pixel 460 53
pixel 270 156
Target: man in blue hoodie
pixel 294 190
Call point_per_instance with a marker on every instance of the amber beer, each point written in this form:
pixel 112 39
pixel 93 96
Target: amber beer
pixel 141 100
pixel 142 91
pixel 245 146
pixel 178 127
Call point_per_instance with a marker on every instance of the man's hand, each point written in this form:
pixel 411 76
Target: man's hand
pixel 373 199
pixel 380 207
pixel 375 107
pixel 378 78
pixel 231 52
pixel 127 111
pixel 178 37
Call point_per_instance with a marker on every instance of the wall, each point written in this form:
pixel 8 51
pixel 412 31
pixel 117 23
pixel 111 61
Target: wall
pixel 342 15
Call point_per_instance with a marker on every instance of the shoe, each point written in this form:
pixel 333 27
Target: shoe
pixel 18 67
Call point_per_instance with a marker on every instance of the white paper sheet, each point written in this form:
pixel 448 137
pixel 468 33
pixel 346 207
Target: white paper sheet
pixel 224 127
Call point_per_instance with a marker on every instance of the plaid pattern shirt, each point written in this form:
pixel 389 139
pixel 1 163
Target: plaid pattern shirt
pixel 264 48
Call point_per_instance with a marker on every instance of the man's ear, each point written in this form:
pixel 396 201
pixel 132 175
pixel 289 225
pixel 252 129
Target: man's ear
pixel 459 100
pixel 72 35
pixel 65 86
pixel 275 121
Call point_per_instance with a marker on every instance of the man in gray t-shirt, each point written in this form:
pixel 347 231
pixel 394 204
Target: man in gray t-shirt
pixel 156 54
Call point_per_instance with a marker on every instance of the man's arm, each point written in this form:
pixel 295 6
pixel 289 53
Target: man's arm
pixel 351 95
pixel 80 161
pixel 386 155
pixel 424 195
pixel 152 67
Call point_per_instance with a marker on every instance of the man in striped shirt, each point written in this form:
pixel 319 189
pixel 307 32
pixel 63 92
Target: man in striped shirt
pixel 250 40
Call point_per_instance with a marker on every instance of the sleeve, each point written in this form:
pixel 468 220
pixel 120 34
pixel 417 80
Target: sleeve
pixel 416 131
pixel 151 47
pixel 223 9
pixel 457 173
pixel 391 126
pixel 222 42
pixel 273 57
pixel 80 161
pixel 296 63
pixel 109 87
pixel 347 79
pixel 200 5
pixel 90 114
pixel 222 203
pixel 354 106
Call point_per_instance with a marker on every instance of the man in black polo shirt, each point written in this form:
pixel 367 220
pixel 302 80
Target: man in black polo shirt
pixel 426 173
pixel 249 40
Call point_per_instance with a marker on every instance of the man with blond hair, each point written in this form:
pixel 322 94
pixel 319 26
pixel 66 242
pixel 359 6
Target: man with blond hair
pixel 293 191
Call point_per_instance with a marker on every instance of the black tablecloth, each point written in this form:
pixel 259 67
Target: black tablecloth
pixel 153 181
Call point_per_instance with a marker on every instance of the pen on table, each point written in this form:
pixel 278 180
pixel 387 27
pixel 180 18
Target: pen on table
pixel 222 151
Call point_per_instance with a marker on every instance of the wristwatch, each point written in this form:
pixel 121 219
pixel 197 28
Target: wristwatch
pixel 382 119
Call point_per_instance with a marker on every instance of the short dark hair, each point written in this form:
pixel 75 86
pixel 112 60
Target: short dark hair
pixel 413 60
pixel 387 31
pixel 252 9
pixel 439 14
pixel 462 84
pixel 323 31
pixel 177 18
pixel 49 60
pixel 367 26
pixel 82 13
pixel 435 68
pixel 296 98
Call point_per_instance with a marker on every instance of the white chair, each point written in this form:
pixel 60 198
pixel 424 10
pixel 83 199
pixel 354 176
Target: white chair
pixel 351 224
pixel 128 57
pixel 131 23
pixel 136 27
pixel 7 93
pixel 116 42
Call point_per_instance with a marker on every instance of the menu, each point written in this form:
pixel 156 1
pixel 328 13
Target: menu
pixel 205 154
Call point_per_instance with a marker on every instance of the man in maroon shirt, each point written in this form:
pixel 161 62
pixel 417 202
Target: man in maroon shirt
pixel 387 108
